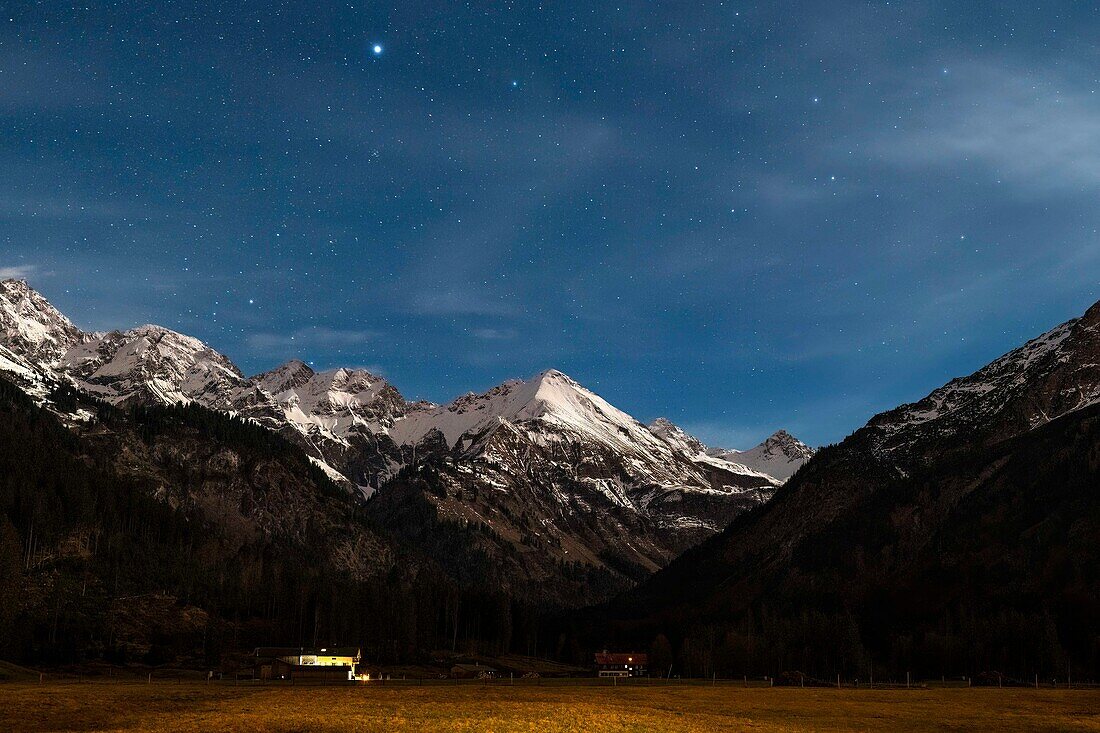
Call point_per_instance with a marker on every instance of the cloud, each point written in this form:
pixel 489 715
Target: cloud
pixel 17 272
pixel 1037 130
pixel 304 338
pixel 493 334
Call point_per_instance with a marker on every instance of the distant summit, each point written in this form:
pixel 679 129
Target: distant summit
pixel 779 456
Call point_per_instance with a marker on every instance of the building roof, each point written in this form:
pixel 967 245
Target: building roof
pixel 622 658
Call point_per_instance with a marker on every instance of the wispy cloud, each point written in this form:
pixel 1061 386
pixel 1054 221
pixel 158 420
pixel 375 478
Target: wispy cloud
pixel 1039 130
pixel 306 338
pixel 493 334
pixel 18 272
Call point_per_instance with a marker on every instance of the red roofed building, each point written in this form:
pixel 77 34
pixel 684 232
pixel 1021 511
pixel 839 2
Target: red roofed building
pixel 624 664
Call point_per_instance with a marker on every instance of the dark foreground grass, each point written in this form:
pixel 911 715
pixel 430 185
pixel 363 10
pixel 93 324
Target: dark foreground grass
pixel 54 706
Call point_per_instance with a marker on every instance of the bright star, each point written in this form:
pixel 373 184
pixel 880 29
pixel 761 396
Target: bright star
pixel 377 49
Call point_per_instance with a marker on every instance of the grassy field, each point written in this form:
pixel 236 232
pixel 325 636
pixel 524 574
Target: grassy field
pixel 189 706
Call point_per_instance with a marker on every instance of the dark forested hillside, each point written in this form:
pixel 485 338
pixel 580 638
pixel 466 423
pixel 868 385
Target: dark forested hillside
pixel 988 559
pixel 160 534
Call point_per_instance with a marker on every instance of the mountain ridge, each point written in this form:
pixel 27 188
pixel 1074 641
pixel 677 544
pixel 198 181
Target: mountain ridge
pixel 955 510
pixel 525 458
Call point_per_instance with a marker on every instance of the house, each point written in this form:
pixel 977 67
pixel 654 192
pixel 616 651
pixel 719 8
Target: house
pixel 472 671
pixel 288 663
pixel 626 664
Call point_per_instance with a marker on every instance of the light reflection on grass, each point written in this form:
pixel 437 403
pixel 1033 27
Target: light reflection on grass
pixel 503 709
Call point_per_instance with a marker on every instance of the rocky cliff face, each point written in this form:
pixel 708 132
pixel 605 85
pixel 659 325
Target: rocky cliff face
pixel 31 326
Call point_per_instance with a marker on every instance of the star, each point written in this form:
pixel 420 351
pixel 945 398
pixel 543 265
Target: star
pixel 377 49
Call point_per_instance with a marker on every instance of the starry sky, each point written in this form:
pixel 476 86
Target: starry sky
pixel 743 216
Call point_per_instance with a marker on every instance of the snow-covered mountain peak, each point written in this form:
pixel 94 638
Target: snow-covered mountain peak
pixel 292 374
pixel 334 402
pixel 782 442
pixel 555 393
pixel 779 455
pixel 672 433
pixel 555 462
pixel 550 397
pixel 354 381
pixel 31 326
pixel 154 362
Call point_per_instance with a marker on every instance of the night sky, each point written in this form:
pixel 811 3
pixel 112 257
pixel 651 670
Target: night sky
pixel 742 216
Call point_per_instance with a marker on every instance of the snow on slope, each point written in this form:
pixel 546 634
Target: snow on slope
pixel 780 455
pixel 331 408
pixel 333 403
pixel 550 397
pixel 28 376
pixel 1049 376
pixel 674 435
pixel 719 458
pixel 30 326
pixel 553 412
pixel 40 347
pixel 151 361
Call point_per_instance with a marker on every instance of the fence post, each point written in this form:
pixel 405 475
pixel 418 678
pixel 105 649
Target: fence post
pixel 838 680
